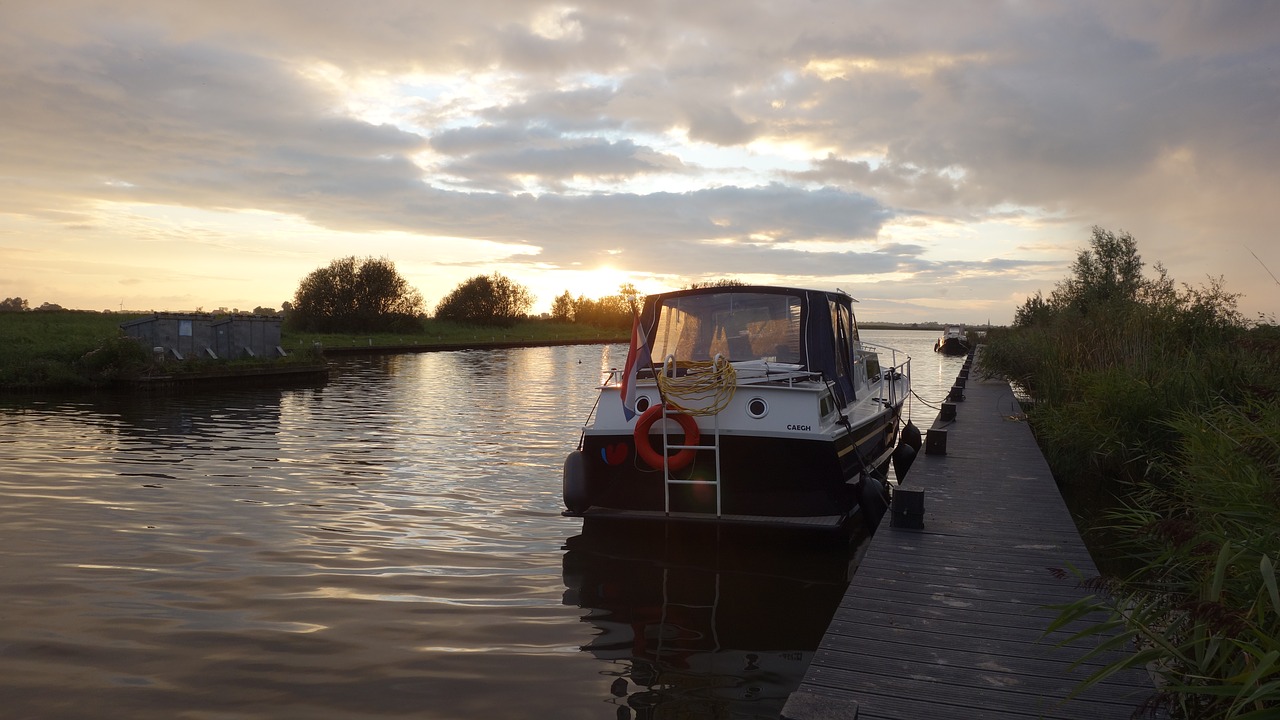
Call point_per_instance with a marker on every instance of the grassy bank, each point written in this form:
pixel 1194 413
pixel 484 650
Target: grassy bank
pixel 65 349
pixel 439 332
pixel 73 350
pixel 1159 412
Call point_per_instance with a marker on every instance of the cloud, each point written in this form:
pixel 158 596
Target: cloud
pixel 675 139
pixel 496 159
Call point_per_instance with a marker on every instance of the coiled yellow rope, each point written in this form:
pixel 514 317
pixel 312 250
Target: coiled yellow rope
pixel 703 388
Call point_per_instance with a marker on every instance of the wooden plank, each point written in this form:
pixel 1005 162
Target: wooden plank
pixel 949 621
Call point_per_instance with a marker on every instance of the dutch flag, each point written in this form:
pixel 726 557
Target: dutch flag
pixel 638 354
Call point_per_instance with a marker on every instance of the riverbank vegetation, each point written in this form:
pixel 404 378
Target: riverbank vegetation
pixel 486 300
pixel 1158 408
pixel 79 350
pixel 65 349
pixel 430 333
pixel 355 295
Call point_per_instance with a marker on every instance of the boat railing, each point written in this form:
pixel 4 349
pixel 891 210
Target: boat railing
pixel 899 365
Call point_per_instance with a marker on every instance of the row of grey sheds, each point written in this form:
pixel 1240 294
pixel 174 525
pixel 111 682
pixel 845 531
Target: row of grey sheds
pixel 186 336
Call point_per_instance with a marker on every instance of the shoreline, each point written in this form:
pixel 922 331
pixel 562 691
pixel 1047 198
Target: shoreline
pixel 282 375
pixel 454 347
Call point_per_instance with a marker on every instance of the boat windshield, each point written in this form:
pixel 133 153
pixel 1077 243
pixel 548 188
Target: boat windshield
pixel 738 325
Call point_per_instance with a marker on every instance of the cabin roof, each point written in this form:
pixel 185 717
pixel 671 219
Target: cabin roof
pixel 775 289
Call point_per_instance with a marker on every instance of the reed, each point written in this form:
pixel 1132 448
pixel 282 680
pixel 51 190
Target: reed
pixel 1159 412
pixel 1203 609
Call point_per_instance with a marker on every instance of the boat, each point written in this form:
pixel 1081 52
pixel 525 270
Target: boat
pixel 743 405
pixel 953 341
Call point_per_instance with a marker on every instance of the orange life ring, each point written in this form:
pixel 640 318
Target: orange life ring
pixel 654 458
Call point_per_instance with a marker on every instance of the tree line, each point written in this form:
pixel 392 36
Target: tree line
pixel 17 304
pixel 369 295
pixel 360 295
pixel 354 294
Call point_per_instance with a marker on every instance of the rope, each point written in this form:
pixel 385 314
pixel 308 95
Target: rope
pixel 703 388
pixel 923 401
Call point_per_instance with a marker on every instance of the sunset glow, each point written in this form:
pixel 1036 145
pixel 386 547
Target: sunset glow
pixel 163 156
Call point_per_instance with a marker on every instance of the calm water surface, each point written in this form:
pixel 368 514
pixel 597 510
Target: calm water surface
pixel 388 545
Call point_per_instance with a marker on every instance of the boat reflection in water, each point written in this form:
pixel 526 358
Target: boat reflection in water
pixel 700 620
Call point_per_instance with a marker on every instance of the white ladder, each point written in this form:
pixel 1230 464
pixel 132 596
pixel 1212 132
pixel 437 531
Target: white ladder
pixel 666 469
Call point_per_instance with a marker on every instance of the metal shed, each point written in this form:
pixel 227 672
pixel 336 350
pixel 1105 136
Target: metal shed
pixel 185 336
pixel 241 336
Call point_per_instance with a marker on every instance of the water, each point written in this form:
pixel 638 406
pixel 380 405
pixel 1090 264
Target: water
pixel 388 545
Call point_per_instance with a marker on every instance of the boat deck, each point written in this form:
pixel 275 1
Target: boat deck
pixel 947 621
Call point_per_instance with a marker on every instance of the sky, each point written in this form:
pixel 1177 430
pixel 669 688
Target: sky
pixel 939 161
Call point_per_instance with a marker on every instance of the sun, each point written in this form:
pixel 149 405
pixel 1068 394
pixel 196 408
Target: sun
pixel 598 283
pixel 601 282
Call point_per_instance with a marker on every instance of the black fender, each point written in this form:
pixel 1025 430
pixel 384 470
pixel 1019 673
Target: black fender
pixel 903 456
pixel 911 436
pixel 873 501
pixel 574 485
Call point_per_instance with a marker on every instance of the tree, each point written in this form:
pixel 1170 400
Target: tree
pixel 1109 272
pixel 562 307
pixel 1033 311
pixel 486 300
pixel 631 296
pixel 722 282
pixel 1105 278
pixel 356 295
pixel 1107 283
pixel 608 312
pixel 612 311
pixel 13 304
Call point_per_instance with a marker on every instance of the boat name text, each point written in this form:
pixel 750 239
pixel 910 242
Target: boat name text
pixel 801 428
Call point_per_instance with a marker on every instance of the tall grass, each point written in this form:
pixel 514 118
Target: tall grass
pixel 65 349
pixel 1159 412
pixel 1106 385
pixel 1203 609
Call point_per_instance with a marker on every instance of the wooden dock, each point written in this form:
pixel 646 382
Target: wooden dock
pixel 948 621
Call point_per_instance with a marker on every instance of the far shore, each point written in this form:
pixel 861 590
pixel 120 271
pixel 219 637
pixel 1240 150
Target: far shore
pixel 74 351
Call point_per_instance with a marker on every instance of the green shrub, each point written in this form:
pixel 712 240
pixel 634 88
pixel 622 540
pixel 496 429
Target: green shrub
pixel 117 358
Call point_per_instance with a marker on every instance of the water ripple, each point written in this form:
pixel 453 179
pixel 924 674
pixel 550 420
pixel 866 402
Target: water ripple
pixel 387 545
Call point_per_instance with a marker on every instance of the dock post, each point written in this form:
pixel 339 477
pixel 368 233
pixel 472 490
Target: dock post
pixel 908 508
pixel 948 412
pixel 935 442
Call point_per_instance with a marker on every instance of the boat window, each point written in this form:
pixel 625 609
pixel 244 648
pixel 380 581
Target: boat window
pixel 738 325
pixel 840 331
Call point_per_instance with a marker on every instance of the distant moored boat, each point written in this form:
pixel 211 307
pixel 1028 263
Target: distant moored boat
pixel 953 341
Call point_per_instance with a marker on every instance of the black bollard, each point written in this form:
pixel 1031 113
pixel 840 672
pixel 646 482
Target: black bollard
pixel 908 508
pixel 948 411
pixel 935 442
